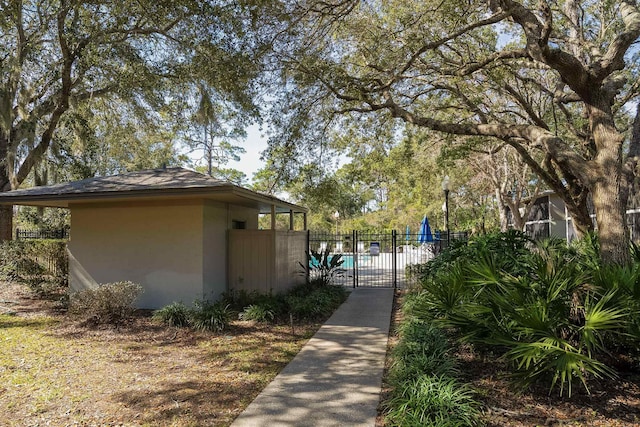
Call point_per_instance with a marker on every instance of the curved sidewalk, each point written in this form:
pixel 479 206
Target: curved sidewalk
pixel 336 378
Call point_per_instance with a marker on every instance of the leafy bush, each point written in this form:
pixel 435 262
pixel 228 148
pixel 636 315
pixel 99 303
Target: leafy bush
pixel 258 313
pixel 40 264
pixel 423 377
pixel 310 303
pixel 109 303
pixel 175 314
pixel 550 309
pixel 239 299
pixel 429 400
pixel 208 316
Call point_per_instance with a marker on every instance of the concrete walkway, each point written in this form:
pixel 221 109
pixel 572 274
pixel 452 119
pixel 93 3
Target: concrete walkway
pixel 336 378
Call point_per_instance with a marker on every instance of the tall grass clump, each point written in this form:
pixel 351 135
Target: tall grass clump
pixel 203 316
pixel 550 309
pixel 422 348
pixel 423 377
pixel 207 316
pixel 429 400
pixel 175 314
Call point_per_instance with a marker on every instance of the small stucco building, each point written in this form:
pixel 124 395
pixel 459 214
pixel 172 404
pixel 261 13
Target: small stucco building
pixel 182 235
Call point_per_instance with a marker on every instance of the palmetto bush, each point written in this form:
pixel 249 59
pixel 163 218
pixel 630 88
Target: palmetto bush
pixel 549 310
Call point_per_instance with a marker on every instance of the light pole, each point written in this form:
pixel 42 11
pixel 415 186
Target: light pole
pixel 445 188
pixel 336 215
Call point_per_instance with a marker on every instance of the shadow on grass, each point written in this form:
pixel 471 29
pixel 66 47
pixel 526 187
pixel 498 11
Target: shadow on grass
pixel 12 321
pixel 203 402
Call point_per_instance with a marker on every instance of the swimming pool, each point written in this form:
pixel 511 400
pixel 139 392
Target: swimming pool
pixel 348 260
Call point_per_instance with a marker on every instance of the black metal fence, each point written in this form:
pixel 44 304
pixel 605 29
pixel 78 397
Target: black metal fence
pixel 60 234
pixel 380 259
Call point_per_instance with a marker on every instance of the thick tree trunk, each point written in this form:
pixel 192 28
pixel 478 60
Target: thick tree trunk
pixel 613 232
pixel 6 212
pixel 609 196
pixel 6 223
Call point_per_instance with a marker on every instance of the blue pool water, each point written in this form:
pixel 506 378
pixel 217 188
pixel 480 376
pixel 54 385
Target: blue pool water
pixel 348 260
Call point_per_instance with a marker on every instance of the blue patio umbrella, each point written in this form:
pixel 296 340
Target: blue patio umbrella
pixel 407 236
pixel 425 235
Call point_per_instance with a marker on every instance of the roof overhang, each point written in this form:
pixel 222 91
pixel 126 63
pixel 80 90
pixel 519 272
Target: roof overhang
pixel 61 197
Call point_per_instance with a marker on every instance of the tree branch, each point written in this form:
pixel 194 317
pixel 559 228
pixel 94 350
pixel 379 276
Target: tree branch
pixel 613 59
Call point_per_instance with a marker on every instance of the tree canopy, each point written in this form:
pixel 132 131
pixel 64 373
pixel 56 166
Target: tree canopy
pixel 65 58
pixel 556 81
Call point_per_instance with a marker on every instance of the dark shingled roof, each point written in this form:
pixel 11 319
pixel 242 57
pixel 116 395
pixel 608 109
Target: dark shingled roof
pixel 154 183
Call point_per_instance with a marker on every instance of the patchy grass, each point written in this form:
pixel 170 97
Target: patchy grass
pixel 54 371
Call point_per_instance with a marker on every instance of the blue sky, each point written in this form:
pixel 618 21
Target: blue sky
pixel 254 144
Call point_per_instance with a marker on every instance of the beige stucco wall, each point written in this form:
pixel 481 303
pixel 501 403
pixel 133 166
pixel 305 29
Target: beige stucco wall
pixel 180 250
pixel 159 246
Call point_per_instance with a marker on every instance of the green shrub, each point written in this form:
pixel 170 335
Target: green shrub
pixel 429 400
pixel 208 316
pixel 308 303
pixel 258 313
pixel 546 309
pixel 239 299
pixel 40 264
pixel 510 248
pixel 175 314
pixel 423 349
pixel 109 303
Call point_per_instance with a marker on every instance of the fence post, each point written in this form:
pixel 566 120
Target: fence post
pixel 394 255
pixel 355 258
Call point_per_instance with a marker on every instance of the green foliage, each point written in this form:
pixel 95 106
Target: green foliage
pixel 429 400
pixel 552 311
pixel 258 313
pixel 48 219
pixel 256 306
pixel 425 391
pixel 306 302
pixel 208 316
pixel 40 264
pixel 324 267
pixel 423 348
pixel 110 303
pixel 175 314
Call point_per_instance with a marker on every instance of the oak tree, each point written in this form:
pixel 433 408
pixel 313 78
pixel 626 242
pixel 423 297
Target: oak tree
pixel 558 81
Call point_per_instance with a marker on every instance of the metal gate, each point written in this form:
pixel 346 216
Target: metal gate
pixel 378 259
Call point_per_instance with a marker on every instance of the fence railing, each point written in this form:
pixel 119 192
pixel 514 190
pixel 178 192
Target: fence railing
pixel 380 259
pixel 61 234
